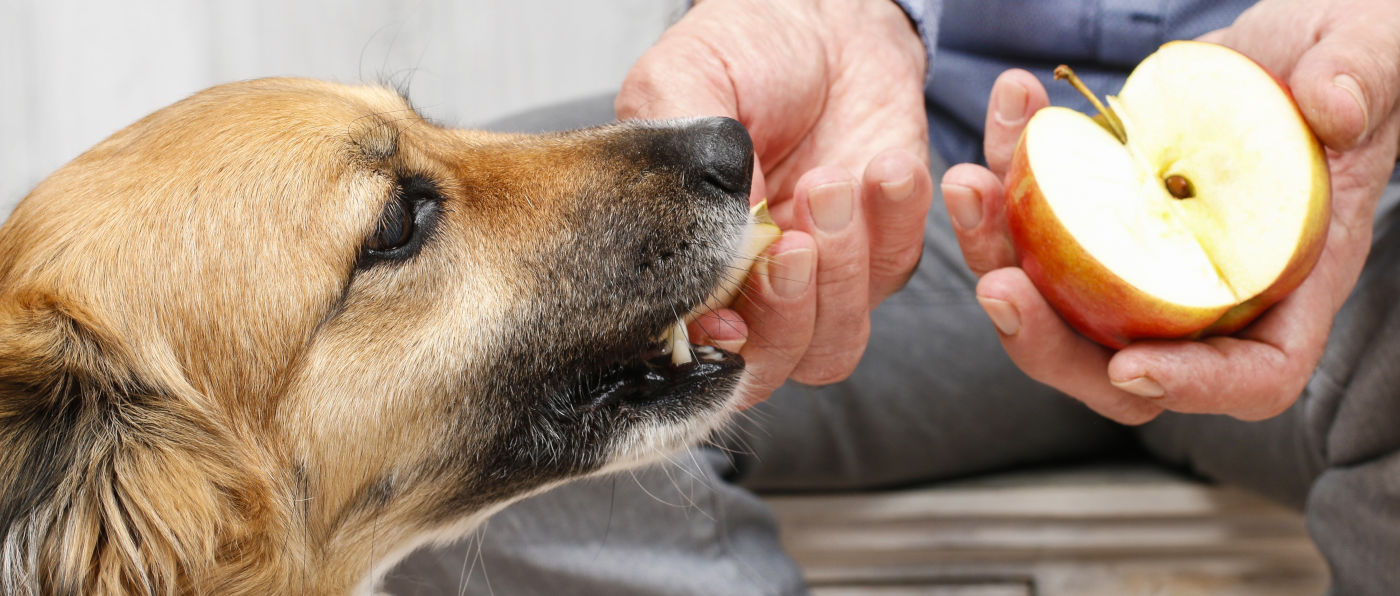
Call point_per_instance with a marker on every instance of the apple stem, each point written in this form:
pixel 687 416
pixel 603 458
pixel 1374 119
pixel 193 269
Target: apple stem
pixel 1115 126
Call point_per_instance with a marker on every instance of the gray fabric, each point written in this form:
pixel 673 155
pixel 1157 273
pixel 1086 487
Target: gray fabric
pixel 935 398
pixel 676 528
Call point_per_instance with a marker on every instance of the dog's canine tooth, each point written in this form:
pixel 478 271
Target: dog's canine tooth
pixel 680 344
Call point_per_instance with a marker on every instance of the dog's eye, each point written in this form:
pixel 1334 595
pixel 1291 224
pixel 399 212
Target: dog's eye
pixel 407 217
pixel 395 227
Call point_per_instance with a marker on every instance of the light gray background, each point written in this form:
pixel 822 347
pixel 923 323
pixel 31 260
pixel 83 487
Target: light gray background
pixel 73 72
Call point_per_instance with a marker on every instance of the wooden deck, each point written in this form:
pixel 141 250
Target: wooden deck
pixel 1099 531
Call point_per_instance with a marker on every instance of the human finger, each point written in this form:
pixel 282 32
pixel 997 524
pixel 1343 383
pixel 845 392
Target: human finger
pixel 973 197
pixel 1049 351
pixel 897 190
pixel 1347 83
pixel 779 308
pixel 826 205
pixel 1016 95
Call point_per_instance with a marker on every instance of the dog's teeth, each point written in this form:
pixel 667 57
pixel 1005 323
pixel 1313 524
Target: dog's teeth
pixel 680 344
pixel 708 353
pixel 665 340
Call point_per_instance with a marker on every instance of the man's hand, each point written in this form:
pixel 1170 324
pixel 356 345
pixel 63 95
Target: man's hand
pixel 831 93
pixel 1342 60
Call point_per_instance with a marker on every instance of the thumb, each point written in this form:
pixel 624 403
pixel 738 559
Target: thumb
pixel 678 77
pixel 1346 84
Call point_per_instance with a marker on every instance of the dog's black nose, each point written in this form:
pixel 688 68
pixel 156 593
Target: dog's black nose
pixel 724 154
pixel 712 152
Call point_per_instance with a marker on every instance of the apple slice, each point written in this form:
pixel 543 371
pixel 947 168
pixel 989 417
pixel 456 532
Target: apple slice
pixel 761 233
pixel 1194 201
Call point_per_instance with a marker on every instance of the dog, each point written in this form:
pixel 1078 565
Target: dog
pixel 275 336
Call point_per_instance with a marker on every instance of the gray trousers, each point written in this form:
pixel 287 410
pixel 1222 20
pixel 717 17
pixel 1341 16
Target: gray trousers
pixel 935 398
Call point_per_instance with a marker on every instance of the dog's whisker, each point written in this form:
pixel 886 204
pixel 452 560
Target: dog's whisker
pixel 687 497
pixel 607 527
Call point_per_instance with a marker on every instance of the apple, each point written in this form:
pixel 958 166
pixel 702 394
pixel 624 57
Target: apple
pixel 761 233
pixel 1195 200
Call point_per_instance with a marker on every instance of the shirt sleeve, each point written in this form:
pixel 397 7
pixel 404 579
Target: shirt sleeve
pixel 924 14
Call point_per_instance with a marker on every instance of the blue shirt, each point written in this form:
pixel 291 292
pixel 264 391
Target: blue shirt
pixel 970 42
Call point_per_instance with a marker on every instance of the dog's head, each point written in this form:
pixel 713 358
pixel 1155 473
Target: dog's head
pixel 269 336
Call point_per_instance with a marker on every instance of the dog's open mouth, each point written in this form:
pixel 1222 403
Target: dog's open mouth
pixel 673 367
pixel 653 377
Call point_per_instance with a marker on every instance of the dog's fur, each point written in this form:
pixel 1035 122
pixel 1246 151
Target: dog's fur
pixel 220 374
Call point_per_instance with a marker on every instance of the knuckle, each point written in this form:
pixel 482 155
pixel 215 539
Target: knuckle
pixel 844 275
pixel 830 364
pixel 896 264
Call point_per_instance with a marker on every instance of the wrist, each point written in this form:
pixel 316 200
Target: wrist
pixel 923 18
pixel 899 27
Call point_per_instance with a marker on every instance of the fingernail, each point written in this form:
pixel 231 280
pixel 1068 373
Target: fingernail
pixel 729 345
pixel 832 205
pixel 1142 386
pixel 1003 314
pixel 789 273
pixel 1011 104
pixel 898 191
pixel 1348 83
pixel 964 205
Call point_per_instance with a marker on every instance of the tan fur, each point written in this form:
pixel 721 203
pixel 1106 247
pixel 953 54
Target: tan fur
pixel 252 412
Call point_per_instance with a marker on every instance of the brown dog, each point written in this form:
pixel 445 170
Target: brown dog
pixel 273 337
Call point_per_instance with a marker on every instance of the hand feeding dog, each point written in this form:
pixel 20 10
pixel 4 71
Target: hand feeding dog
pixel 273 337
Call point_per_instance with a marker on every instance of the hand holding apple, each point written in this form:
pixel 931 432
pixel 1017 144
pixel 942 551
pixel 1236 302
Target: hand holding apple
pixel 1338 58
pixel 1198 198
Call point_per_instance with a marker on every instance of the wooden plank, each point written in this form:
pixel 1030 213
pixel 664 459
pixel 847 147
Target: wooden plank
pixel 928 589
pixel 1077 532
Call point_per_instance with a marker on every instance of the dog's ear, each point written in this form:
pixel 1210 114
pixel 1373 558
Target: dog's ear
pixel 109 482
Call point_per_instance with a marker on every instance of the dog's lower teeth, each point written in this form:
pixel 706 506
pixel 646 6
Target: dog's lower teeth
pixel 708 353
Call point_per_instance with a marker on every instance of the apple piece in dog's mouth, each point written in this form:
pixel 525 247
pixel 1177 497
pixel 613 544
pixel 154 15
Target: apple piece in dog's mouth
pixel 762 232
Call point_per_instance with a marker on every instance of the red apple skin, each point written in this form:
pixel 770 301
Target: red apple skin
pixel 1106 309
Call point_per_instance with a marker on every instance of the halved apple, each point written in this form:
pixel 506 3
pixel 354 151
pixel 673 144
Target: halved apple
pixel 1194 201
pixel 761 233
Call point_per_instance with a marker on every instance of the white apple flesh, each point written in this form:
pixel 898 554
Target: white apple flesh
pixel 1213 207
pixel 761 233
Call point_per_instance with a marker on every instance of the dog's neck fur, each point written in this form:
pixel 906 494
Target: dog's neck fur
pixel 170 524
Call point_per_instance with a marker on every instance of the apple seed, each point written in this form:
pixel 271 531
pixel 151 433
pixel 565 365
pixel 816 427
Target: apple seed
pixel 1179 186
